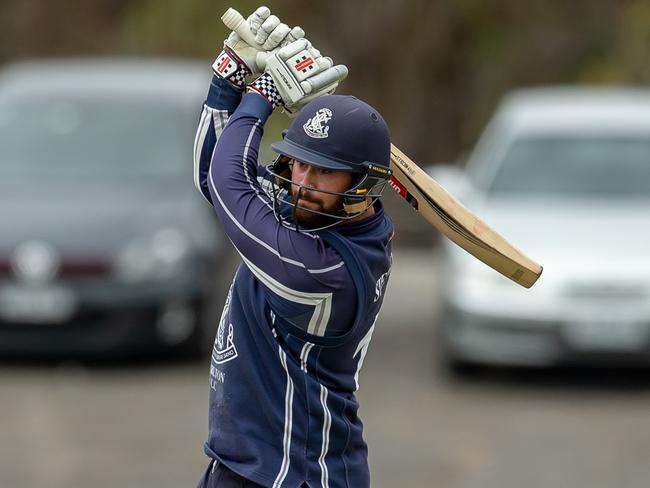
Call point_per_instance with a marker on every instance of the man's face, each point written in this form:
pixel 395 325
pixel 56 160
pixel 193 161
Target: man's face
pixel 318 179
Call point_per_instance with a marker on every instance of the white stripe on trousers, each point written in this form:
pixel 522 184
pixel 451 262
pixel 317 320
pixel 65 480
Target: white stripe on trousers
pixel 288 423
pixel 327 423
pixel 304 354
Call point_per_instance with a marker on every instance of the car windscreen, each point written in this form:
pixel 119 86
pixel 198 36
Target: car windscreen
pixel 575 167
pixel 93 137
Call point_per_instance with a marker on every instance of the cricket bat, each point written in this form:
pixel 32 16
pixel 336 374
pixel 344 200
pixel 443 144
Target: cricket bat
pixel 458 223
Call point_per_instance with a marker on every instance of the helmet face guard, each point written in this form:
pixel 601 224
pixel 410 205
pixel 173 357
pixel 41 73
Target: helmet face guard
pixel 362 195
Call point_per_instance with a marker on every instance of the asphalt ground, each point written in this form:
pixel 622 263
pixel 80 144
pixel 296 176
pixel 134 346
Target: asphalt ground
pixel 142 424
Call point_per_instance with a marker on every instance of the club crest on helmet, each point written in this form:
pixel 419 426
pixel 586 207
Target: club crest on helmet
pixel 316 126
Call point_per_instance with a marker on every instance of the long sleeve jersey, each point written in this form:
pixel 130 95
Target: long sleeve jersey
pixel 297 321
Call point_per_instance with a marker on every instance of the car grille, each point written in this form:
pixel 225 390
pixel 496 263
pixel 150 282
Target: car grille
pixel 76 269
pixel 69 268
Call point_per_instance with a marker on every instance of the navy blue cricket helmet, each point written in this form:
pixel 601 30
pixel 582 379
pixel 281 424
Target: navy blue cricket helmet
pixel 340 133
pixel 337 132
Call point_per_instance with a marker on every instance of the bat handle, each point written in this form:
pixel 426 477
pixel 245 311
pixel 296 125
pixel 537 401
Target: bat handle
pixel 236 22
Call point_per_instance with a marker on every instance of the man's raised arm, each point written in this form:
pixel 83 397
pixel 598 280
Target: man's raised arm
pixel 235 63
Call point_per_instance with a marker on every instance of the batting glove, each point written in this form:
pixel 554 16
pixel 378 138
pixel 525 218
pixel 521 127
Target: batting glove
pixel 240 58
pixel 300 74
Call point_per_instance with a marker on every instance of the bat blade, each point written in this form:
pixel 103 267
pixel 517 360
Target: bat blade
pixel 458 223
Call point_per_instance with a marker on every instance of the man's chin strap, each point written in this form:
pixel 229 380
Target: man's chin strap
pixel 356 208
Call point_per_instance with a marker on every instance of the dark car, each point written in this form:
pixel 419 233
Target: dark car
pixel 105 246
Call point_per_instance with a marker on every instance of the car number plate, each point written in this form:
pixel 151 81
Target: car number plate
pixel 41 305
pixel 607 335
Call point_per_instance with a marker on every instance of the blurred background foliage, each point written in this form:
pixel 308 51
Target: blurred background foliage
pixel 435 69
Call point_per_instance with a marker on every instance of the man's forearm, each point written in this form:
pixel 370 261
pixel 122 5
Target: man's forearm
pixel 222 100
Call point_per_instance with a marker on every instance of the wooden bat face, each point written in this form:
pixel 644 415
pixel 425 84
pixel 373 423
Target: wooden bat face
pixel 459 224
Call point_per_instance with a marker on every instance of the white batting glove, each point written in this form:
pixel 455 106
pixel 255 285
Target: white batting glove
pixel 300 74
pixel 241 58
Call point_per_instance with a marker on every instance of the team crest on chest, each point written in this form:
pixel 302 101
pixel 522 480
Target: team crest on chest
pixel 316 126
pixel 224 349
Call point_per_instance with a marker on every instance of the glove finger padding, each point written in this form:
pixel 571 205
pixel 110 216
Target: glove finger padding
pixel 324 63
pixel 275 37
pixel 287 47
pixel 296 33
pixel 266 28
pixel 331 75
pixel 293 48
pixel 258 17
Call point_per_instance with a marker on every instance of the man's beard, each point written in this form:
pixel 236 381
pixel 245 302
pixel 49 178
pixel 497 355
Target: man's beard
pixel 304 217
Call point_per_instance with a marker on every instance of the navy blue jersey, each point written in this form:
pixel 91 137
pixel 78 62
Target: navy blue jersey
pixel 297 321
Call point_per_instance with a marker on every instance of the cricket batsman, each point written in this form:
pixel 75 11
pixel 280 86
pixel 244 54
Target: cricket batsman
pixel 315 247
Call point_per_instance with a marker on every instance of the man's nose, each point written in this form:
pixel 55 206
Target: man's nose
pixel 308 177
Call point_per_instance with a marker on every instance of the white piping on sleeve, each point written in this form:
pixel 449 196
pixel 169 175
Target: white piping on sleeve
pixel 325 270
pixel 223 117
pixel 219 119
pixel 199 140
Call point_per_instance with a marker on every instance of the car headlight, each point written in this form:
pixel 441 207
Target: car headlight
pixel 159 257
pixel 476 288
pixel 477 280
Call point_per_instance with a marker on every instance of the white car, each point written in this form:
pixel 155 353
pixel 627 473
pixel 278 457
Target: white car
pixel 564 174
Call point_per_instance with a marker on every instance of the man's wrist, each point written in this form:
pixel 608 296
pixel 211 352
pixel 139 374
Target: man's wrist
pixel 254 104
pixel 223 95
pixel 265 86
